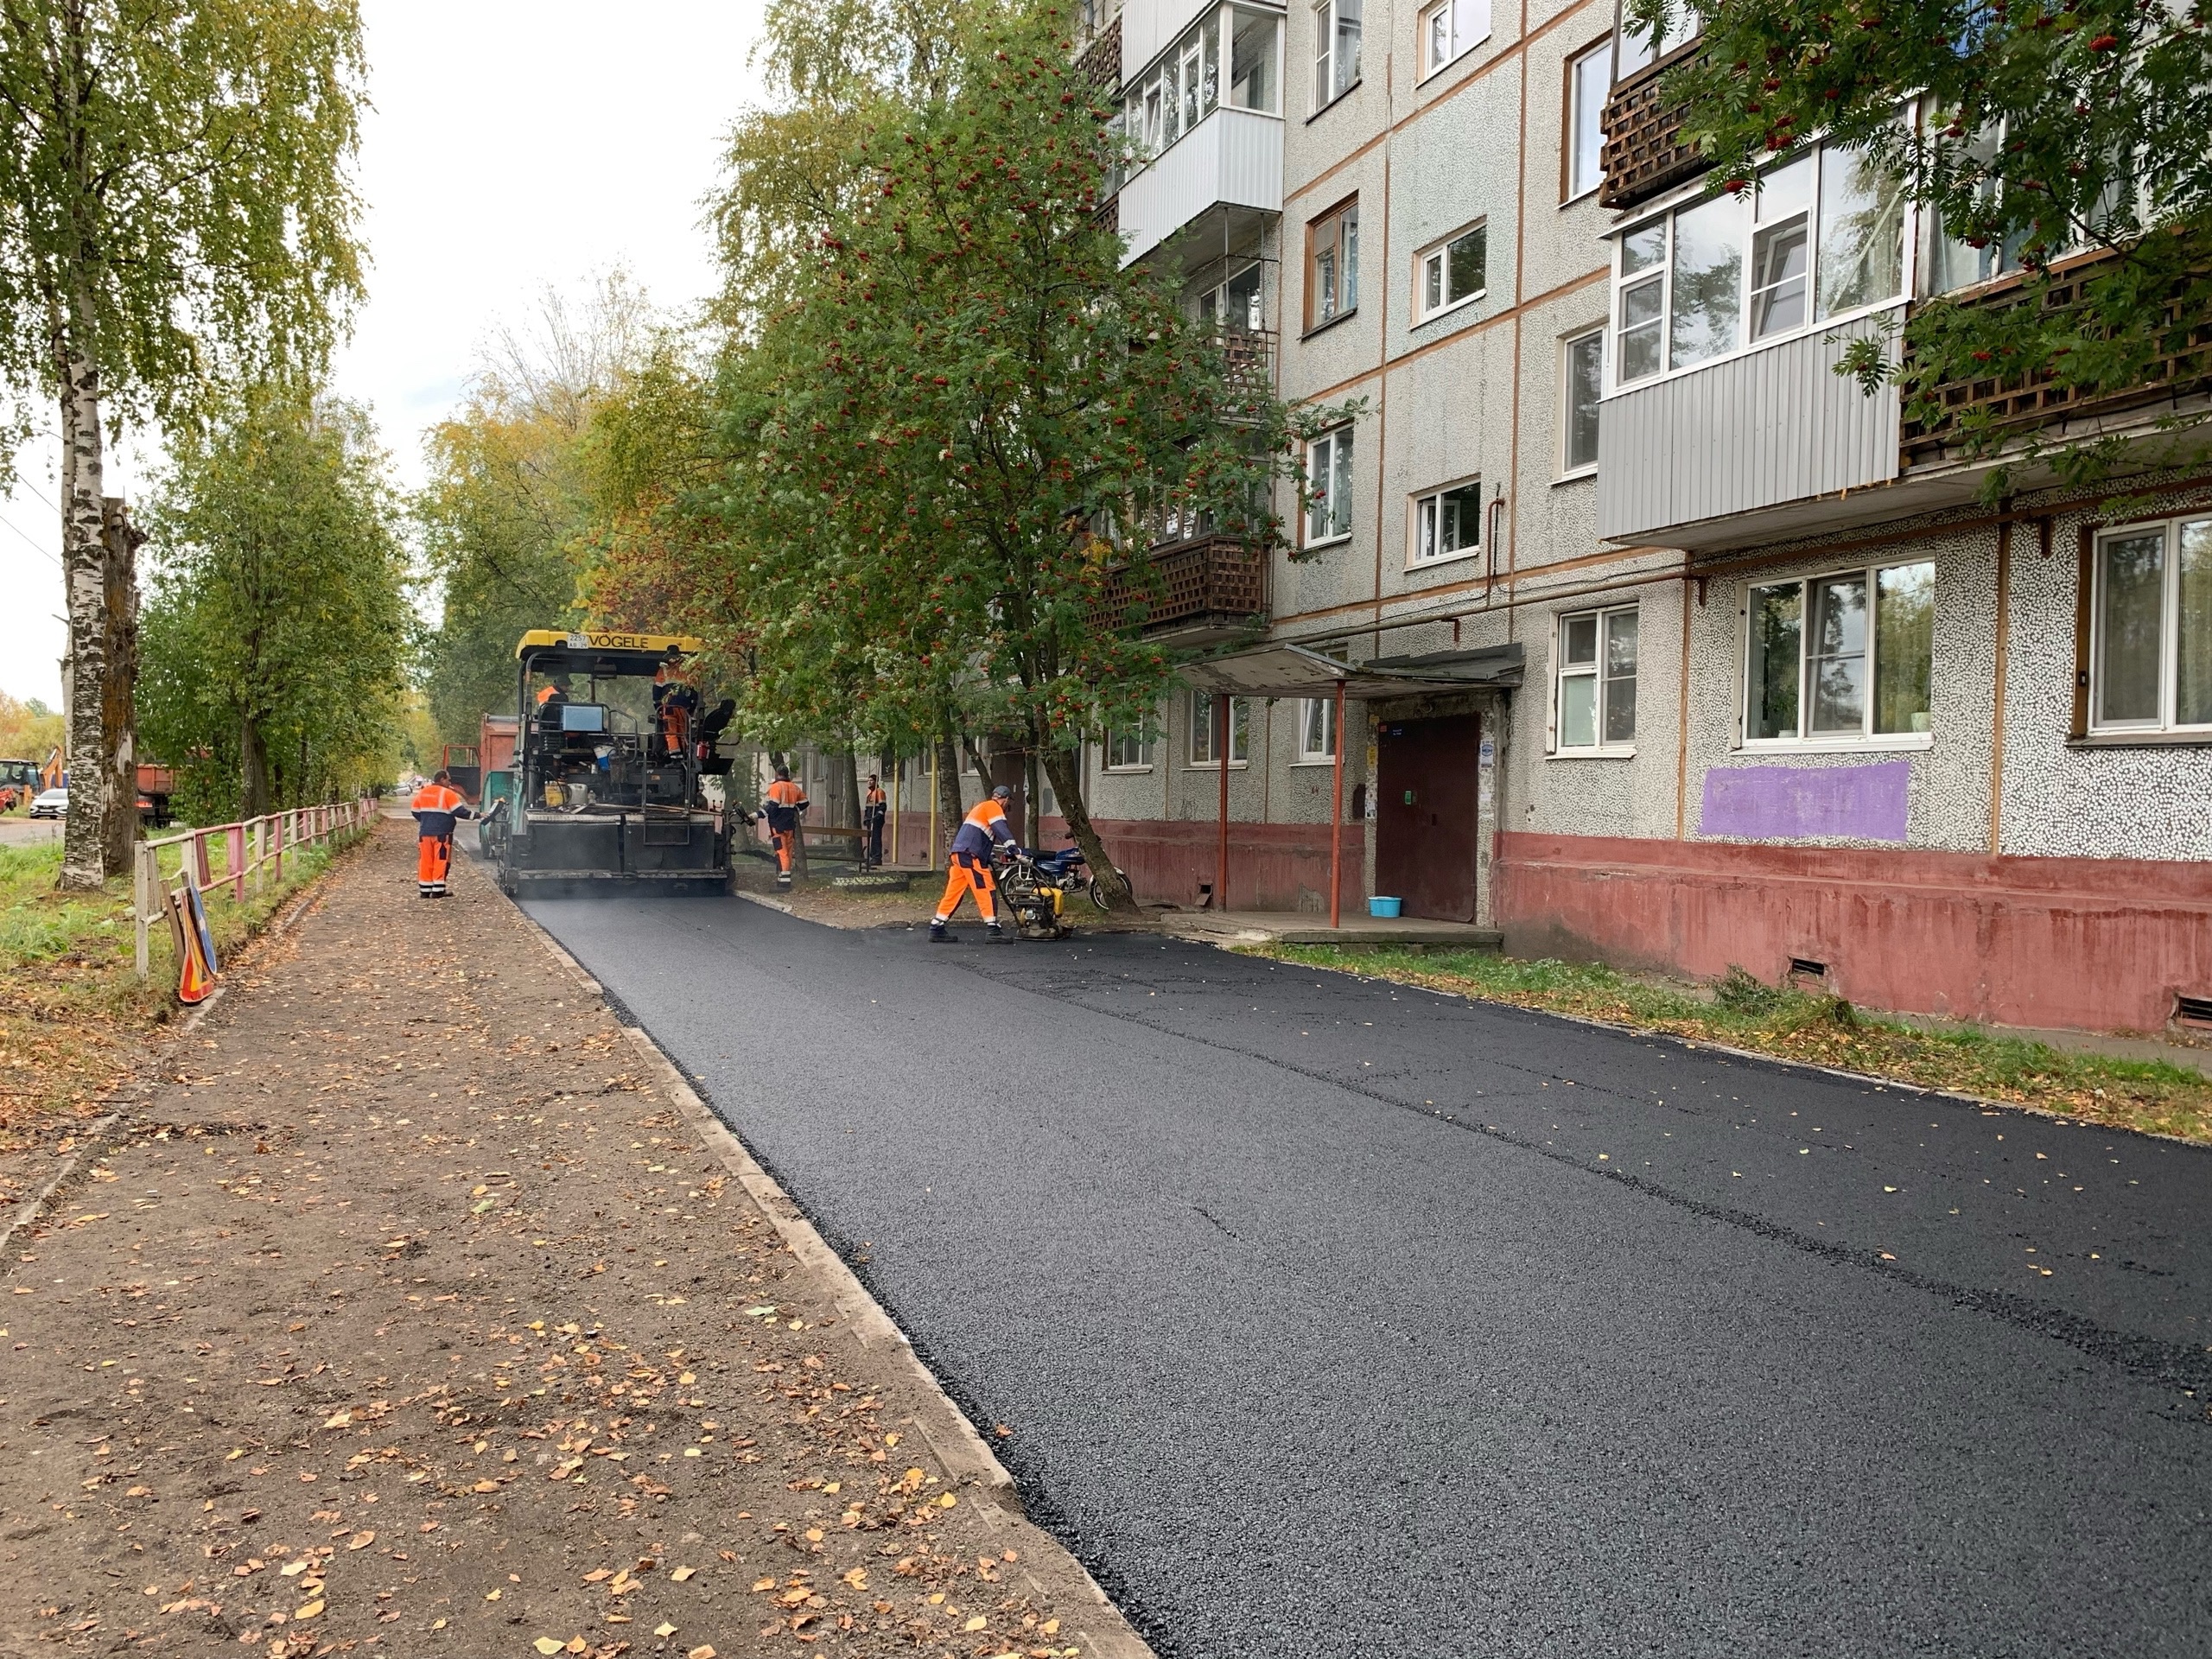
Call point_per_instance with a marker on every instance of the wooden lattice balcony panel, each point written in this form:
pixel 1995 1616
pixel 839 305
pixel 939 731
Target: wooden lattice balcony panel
pixel 1251 357
pixel 2025 403
pixel 1207 585
pixel 1098 62
pixel 1643 154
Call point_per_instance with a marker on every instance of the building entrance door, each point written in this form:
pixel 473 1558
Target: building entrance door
pixel 1425 815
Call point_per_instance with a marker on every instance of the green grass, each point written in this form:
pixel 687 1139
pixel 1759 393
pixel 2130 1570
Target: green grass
pixel 2155 1096
pixel 73 1010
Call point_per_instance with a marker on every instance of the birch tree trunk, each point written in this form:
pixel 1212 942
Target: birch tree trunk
pixel 253 768
pixel 84 560
pixel 1064 767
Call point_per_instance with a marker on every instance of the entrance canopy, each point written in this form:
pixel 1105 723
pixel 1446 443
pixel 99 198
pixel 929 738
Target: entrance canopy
pixel 1294 671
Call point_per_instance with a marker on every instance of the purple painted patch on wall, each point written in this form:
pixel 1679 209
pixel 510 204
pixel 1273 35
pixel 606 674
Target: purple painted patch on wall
pixel 1793 802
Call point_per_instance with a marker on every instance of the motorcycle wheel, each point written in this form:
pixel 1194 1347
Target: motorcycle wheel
pixel 1097 899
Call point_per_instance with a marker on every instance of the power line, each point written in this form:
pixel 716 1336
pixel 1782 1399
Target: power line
pixel 41 551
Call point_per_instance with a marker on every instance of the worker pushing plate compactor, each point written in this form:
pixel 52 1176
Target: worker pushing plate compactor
pixel 604 793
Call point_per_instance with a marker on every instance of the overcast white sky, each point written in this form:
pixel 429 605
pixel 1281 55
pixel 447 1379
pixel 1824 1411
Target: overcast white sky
pixel 515 143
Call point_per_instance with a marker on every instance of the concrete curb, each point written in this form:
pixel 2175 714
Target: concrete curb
pixel 967 1457
pixel 136 1091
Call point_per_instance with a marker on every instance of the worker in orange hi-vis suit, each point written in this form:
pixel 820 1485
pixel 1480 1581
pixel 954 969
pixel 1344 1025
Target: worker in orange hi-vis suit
pixel 436 805
pixel 786 800
pixel 675 700
pixel 970 870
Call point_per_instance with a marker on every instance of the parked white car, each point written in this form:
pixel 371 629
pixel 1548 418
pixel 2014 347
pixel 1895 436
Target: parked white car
pixel 51 804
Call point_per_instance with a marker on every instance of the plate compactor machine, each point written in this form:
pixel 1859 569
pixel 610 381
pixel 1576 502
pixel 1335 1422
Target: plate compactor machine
pixel 604 793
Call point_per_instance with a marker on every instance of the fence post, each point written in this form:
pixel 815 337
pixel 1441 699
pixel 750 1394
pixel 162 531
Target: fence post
pixel 142 886
pixel 276 845
pixel 234 854
pixel 200 869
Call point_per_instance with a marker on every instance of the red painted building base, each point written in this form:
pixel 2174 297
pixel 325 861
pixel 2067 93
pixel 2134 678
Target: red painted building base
pixel 1271 866
pixel 2103 945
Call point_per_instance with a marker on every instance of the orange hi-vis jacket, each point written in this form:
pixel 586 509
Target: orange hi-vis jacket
pixel 437 806
pixel 784 800
pixel 985 822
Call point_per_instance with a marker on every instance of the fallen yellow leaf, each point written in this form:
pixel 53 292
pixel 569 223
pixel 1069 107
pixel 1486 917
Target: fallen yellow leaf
pixel 311 1610
pixel 547 1644
pixel 947 1500
pixel 703 1651
pixel 764 1584
pixel 683 1573
pixel 664 1630
pixel 361 1540
pixel 976 1624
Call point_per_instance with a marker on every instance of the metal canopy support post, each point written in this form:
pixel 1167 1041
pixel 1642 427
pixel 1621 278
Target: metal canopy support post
pixel 1221 760
pixel 1337 820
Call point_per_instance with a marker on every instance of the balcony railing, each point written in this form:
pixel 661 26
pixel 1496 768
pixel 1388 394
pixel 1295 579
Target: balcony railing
pixel 1201 589
pixel 1645 153
pixel 1250 355
pixel 2022 404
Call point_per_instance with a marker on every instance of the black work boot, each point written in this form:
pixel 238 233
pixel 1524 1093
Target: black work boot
pixel 939 934
pixel 996 932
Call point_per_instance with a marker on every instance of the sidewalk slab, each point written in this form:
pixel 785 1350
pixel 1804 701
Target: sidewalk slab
pixel 422 1310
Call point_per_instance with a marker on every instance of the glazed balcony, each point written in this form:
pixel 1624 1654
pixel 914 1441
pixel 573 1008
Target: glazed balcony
pixel 1198 591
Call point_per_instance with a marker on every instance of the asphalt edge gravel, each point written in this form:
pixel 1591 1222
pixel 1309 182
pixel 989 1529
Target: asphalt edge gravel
pixel 964 1453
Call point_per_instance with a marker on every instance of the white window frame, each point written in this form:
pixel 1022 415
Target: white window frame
pixel 1438 255
pixel 1330 83
pixel 1594 669
pixel 1573 189
pixel 1467 23
pixel 1326 754
pixel 1240 735
pixel 1428 507
pixel 1749 228
pixel 1569 468
pixel 2169 629
pixel 1326 455
pixel 1807 741
pixel 1145 752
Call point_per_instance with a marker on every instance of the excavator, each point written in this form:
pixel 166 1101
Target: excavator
pixel 605 790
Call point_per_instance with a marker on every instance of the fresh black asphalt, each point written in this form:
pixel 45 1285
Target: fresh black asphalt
pixel 1332 1317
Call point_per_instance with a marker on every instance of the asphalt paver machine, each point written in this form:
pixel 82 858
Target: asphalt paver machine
pixel 604 795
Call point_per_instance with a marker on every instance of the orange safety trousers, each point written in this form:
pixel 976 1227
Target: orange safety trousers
pixel 434 856
pixel 782 840
pixel 967 873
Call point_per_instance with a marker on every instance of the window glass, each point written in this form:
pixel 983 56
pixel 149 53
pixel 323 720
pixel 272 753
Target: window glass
pixel 1778 635
pixel 1252 62
pixel 1904 646
pixel 1589 82
pixel 1838 656
pixel 1328 475
pixel 1451 26
pixel 1455 271
pixel 1707 276
pixel 1449 522
pixel 1317 731
pixel 1204 713
pixel 1332 273
pixel 1336 50
pixel 1862 234
pixel 1126 751
pixel 1580 647
pixel 1620 676
pixel 2193 627
pixel 1639 49
pixel 1586 384
pixel 1778 276
pixel 2130 626
pixel 1643 304
pixel 1578 711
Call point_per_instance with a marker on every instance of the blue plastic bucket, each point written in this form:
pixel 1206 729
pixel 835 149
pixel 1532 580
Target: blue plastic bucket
pixel 1385 908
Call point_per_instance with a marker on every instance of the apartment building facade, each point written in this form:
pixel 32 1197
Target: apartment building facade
pixel 1709 659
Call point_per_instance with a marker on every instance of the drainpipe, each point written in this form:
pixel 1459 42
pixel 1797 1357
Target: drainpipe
pixel 1337 820
pixel 1221 759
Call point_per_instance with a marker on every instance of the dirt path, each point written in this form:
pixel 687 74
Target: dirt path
pixel 414 1315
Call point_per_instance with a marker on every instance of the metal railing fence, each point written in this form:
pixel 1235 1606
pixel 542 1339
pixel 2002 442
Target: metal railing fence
pixel 253 852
